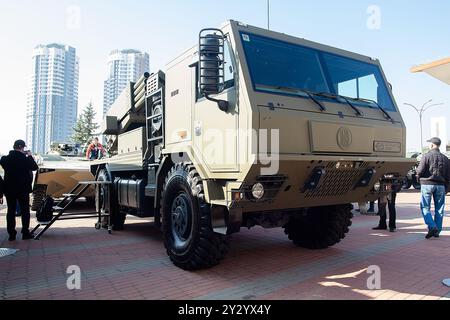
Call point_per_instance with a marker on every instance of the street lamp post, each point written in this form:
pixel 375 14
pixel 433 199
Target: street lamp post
pixel 421 111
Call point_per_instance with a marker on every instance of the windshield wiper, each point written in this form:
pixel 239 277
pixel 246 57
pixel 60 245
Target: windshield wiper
pixel 337 97
pixel 310 95
pixel 378 106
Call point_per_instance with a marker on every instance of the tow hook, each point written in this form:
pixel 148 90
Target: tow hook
pixel 313 182
pixel 366 178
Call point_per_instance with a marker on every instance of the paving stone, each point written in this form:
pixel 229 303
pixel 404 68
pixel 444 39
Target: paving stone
pixel 262 264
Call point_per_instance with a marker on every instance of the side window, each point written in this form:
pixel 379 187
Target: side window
pixel 229 66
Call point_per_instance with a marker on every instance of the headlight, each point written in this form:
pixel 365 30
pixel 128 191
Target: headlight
pixel 258 191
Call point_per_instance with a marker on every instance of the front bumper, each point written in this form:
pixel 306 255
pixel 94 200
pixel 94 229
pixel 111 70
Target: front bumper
pixel 307 181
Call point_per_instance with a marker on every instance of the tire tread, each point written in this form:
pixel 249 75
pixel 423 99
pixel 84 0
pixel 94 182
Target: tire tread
pixel 321 227
pixel 210 247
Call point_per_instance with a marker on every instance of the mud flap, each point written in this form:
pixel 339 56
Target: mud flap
pixel 224 221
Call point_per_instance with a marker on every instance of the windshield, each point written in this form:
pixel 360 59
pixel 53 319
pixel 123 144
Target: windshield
pixel 281 67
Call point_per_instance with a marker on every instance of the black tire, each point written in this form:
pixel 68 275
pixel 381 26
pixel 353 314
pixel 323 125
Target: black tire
pixel 417 186
pixel 188 234
pixel 90 201
pixel 407 184
pixel 39 194
pixel 107 201
pixel 320 228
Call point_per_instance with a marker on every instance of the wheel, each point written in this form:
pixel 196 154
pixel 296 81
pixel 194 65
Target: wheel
pixel 39 194
pixel 188 234
pixel 90 201
pixel 407 184
pixel 106 201
pixel 320 228
pixel 417 186
pixel 98 226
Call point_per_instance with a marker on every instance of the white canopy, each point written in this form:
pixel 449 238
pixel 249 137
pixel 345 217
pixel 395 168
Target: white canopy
pixel 439 69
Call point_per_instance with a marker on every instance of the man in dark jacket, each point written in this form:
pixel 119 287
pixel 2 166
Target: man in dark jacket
pixel 434 175
pixel 1 190
pixel 18 166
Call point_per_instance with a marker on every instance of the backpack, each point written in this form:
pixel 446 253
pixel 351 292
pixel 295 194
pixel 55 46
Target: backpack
pixel 45 212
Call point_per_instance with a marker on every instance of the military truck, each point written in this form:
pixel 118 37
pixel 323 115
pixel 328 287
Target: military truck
pixel 248 128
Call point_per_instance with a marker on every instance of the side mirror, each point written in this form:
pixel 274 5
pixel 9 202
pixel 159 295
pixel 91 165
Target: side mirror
pixel 211 66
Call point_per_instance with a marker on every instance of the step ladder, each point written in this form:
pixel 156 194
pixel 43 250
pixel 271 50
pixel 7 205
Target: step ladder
pixel 60 209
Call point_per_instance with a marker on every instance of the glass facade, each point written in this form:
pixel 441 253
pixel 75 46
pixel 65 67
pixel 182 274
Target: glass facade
pixel 53 97
pixel 123 67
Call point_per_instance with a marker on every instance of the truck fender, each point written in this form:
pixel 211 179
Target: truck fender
pixel 163 169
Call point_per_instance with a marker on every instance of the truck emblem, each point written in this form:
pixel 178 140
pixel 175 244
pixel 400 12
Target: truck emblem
pixel 344 138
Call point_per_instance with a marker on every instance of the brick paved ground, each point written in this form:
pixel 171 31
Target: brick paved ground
pixel 262 264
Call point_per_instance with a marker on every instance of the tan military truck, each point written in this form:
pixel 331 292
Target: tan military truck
pixel 251 128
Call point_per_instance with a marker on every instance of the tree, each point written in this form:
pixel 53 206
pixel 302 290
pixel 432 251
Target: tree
pixel 85 127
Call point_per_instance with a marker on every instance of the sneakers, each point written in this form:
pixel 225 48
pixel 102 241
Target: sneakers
pixel 434 233
pixel 383 228
pixel 27 236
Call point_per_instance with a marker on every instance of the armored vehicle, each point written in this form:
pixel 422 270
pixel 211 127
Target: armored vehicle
pixel 60 170
pixel 248 128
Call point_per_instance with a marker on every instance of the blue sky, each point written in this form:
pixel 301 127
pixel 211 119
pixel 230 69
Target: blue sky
pixel 411 32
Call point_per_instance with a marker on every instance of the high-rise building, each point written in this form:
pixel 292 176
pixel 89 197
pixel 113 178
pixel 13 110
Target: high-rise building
pixel 53 98
pixel 124 66
pixel 439 129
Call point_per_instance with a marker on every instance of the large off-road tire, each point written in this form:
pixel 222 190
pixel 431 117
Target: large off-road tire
pixel 107 201
pixel 320 228
pixel 188 235
pixel 39 194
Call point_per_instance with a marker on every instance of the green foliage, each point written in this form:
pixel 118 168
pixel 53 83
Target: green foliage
pixel 85 128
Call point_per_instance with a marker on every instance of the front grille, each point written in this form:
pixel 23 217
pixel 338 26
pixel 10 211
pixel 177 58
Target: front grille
pixel 337 181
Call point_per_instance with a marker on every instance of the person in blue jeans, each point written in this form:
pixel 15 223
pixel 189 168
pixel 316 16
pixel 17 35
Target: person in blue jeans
pixel 434 175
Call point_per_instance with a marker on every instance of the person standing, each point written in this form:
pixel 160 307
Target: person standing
pixel 371 207
pixel 94 150
pixel 388 201
pixel 17 187
pixel 1 190
pixel 434 175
